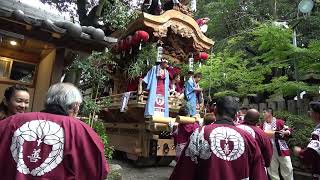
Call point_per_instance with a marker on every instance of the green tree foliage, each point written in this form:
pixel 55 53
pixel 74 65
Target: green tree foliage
pixel 302 127
pixel 144 60
pixel 118 14
pixel 115 14
pixel 93 75
pixel 229 17
pixel 257 61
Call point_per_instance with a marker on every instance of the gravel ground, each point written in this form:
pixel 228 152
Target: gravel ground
pixel 131 172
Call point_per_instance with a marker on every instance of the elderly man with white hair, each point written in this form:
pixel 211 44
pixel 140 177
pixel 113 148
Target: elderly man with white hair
pixel 52 144
pixel 63 99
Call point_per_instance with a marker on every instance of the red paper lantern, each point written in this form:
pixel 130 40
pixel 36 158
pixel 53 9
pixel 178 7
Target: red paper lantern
pixel 129 41
pixel 143 35
pixel 121 45
pixel 203 56
pixel 126 45
pixel 135 39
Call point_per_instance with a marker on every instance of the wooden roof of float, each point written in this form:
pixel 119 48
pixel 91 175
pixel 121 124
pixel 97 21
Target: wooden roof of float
pixel 179 32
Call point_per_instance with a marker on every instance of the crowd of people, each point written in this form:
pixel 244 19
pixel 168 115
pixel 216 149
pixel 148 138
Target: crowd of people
pixel 229 138
pixel 236 145
pixel 230 144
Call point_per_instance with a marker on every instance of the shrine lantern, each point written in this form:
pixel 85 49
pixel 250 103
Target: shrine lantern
pixel 135 39
pixel 126 45
pixel 142 36
pixel 129 40
pixel 121 45
pixel 129 43
pixel 201 56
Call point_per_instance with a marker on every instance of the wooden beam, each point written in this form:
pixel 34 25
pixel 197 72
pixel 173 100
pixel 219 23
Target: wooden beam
pixel 56 35
pixel 29 27
pixel 10 53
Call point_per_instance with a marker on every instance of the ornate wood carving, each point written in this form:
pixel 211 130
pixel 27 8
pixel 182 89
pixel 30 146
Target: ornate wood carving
pixel 180 32
pixel 184 8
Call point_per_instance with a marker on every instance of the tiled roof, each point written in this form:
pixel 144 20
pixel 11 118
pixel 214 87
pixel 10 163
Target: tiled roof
pixel 17 11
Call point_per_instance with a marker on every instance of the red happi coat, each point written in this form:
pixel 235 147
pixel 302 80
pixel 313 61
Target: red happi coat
pixel 45 146
pixel 262 139
pixel 311 155
pixel 181 136
pixel 281 144
pixel 183 132
pixel 220 152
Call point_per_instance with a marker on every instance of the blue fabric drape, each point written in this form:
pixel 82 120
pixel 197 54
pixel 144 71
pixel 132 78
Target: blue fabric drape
pixel 151 80
pixel 191 96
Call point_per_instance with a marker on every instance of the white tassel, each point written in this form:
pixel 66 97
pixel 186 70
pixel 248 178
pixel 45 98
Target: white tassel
pixel 200 65
pixel 140 46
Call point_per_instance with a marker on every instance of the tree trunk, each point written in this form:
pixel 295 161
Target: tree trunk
pixel 82 11
pixel 100 7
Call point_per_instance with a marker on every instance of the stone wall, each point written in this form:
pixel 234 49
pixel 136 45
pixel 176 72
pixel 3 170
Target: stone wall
pixel 293 106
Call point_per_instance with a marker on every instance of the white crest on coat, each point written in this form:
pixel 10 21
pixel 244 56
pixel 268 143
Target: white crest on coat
pixel 247 129
pixel 40 131
pixel 232 141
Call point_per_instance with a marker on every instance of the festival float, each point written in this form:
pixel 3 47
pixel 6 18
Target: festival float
pixel 176 37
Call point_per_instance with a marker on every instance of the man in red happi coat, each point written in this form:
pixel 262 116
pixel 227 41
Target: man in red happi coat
pixel 251 119
pixel 311 155
pixel 221 151
pixel 51 144
pixel 281 153
pixel 183 132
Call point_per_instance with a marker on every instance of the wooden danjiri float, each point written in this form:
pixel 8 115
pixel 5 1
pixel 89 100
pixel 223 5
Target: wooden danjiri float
pixel 147 141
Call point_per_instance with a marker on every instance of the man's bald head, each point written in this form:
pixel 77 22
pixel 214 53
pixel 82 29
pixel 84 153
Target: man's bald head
pixel 252 116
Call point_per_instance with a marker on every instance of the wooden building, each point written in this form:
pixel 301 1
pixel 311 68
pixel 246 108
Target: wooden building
pixel 35 47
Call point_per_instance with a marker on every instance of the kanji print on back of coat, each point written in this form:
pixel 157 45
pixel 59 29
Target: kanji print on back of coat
pixel 226 143
pixel 40 131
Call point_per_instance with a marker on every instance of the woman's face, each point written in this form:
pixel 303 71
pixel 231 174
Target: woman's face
pixel 19 102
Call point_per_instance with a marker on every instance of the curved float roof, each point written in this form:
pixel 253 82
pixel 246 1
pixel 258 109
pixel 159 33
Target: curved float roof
pixel 179 23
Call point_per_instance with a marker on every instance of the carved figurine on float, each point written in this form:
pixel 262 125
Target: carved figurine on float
pixel 157 80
